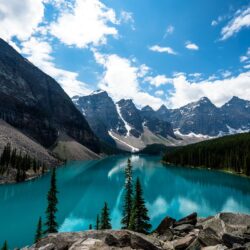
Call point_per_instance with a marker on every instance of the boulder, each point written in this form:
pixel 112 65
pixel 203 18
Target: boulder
pixel 195 245
pixel 229 239
pixel 247 246
pixel 208 237
pixel 183 243
pixel 166 236
pixel 217 247
pixel 190 219
pixel 227 223
pixel 165 224
pixel 101 239
pixel 184 228
pixel 237 246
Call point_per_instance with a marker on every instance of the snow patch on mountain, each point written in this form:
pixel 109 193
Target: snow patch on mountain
pixel 232 131
pixel 127 126
pixel 133 149
pixel 192 134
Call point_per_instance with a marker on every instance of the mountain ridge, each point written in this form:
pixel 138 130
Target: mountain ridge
pixel 36 104
pixel 200 120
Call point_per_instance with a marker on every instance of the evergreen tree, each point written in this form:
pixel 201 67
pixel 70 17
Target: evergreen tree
pixel 97 225
pixel 105 219
pixel 39 232
pixel 128 197
pixel 5 246
pixel 139 220
pixel 51 224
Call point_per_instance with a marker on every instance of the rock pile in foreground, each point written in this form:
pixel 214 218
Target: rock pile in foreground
pixel 219 232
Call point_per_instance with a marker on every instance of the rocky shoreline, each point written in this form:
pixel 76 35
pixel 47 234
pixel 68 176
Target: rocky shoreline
pixel 219 232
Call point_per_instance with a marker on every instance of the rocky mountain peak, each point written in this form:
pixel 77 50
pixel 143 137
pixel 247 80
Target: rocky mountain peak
pixel 147 108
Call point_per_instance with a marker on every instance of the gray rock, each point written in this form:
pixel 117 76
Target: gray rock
pixel 217 247
pixel 237 246
pixel 184 228
pixel 230 239
pixel 195 245
pixel 103 239
pixel 208 237
pixel 228 223
pixel 184 242
pixel 165 224
pixel 190 219
pixel 247 245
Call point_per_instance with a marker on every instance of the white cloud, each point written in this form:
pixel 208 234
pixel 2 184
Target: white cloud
pixel 241 20
pixel 158 80
pixel 169 30
pixel 20 18
pixel 226 73
pixel 218 20
pixel 191 46
pixel 159 93
pixel 168 50
pixel 143 70
pixel 88 22
pixel 247 66
pixel 214 23
pixel 195 75
pixel 218 91
pixel 246 57
pixel 243 58
pixel 39 53
pixel 127 17
pixel 120 80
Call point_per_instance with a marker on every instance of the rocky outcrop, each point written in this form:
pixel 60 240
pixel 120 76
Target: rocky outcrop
pixel 222 231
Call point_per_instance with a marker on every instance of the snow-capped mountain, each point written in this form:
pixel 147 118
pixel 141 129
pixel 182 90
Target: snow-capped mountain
pixel 122 123
pixel 204 118
pixel 236 114
pixel 201 117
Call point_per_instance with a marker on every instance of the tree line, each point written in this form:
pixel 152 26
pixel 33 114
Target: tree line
pixel 13 159
pixel 226 153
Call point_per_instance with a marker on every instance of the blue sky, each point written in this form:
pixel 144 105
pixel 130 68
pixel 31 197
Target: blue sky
pixel 154 52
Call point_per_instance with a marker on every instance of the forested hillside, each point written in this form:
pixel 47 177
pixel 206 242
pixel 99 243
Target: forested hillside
pixel 227 153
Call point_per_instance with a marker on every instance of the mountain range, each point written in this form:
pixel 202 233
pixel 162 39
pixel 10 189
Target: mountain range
pixel 35 107
pixel 124 125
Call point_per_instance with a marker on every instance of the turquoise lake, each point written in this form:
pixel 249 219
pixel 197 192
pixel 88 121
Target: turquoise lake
pixel 84 186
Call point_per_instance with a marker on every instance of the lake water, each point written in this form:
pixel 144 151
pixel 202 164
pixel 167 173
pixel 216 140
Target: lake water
pixel 84 186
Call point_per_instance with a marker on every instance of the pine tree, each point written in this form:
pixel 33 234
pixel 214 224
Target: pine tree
pixel 5 246
pixel 139 220
pixel 39 232
pixel 128 197
pixel 51 224
pixel 105 219
pixel 97 225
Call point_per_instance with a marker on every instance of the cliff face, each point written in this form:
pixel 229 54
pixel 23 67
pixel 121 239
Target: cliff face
pixel 35 103
pixel 219 232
